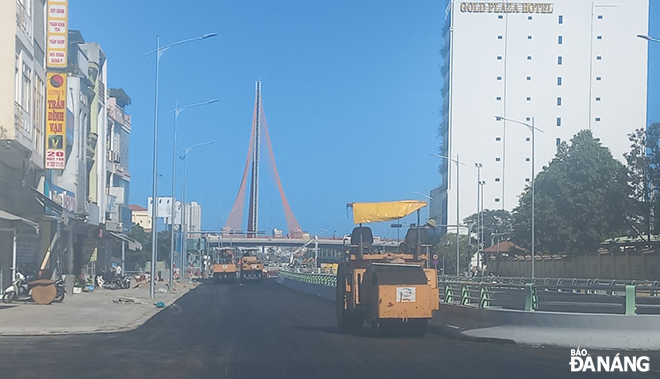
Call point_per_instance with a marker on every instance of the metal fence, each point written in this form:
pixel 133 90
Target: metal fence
pixel 484 291
pixel 323 279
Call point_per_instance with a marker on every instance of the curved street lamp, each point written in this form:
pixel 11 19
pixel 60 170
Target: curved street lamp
pixel 154 211
pixel 532 128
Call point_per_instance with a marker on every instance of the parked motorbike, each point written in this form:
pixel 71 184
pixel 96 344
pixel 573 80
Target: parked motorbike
pixel 17 289
pixel 61 291
pixel 111 281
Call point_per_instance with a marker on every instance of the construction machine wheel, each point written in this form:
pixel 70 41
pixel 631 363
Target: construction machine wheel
pixel 347 320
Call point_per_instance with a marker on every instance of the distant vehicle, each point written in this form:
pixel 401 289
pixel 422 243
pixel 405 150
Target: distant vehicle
pixel 225 267
pixel 251 269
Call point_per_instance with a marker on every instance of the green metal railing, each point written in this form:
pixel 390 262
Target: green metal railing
pixel 322 279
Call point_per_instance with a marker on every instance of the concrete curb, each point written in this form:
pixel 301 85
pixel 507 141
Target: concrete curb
pixel 150 311
pixel 572 330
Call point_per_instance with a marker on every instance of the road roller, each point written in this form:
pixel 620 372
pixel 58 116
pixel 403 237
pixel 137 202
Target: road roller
pixel 391 291
pixel 251 269
pixel 225 268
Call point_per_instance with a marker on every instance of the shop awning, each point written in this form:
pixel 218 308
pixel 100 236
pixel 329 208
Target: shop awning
pixel 47 202
pixel 132 244
pixel 17 221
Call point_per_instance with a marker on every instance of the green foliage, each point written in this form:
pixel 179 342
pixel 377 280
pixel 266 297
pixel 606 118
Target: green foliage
pixel 446 249
pixel 123 99
pixel 495 221
pixel 137 260
pixel 582 199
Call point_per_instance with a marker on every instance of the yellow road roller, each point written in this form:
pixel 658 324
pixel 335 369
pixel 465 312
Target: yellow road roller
pixel 252 270
pixel 391 291
pixel 225 268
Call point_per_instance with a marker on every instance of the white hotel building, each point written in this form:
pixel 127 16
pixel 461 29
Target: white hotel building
pixel 568 65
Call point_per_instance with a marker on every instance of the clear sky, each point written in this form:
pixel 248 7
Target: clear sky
pixel 351 93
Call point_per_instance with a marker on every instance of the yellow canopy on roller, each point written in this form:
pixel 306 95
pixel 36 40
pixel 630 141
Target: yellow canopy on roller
pixel 385 211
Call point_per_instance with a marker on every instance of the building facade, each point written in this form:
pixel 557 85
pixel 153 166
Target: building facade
pixel 193 217
pixel 563 66
pixel 55 186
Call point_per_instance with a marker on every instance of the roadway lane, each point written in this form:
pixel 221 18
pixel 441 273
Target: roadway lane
pixel 269 331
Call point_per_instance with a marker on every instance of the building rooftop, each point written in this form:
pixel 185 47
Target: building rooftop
pixel 136 208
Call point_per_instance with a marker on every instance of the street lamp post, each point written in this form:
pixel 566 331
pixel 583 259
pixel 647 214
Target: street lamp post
pixel 532 129
pixel 154 213
pixel 176 112
pixel 184 231
pixel 479 200
pixel 458 200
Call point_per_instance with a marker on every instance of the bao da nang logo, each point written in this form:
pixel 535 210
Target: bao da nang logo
pixel 582 361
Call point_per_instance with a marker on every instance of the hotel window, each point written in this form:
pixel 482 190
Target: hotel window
pixel 529 57
pixel 560 40
pixel 558 121
pixel 500 17
pixel 529 17
pixel 559 101
pixel 527 179
pixel 559 80
pixel 561 19
pixel 598 99
pixel 599 37
pixel 599 58
pixel 497 179
pixel 499 98
pixel 529 78
pixel 558 142
pixel 526 159
pixel 499 78
pixel 499 57
pixel 600 16
pixel 529 98
pixel 529 37
pixel 498 139
pixel 559 60
pixel 499 37
pixel 497 199
pixel 497 159
pixel 597 118
pixel 598 78
pixel 527 139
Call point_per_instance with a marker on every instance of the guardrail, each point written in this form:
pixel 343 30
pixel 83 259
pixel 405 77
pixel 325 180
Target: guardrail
pixel 480 292
pixel 323 279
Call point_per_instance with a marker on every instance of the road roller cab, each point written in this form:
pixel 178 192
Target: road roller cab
pixel 392 291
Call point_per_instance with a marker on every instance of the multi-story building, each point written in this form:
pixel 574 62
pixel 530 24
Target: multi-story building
pixel 563 66
pixel 118 178
pixel 22 119
pixel 140 216
pixel 53 191
pixel 193 217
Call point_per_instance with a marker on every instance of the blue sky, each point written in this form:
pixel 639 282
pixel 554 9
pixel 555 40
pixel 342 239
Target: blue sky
pixel 351 93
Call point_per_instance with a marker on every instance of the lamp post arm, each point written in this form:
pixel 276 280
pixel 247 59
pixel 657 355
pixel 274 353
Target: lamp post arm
pixel 161 49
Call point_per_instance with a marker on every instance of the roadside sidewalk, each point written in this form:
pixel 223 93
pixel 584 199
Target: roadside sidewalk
pixel 101 311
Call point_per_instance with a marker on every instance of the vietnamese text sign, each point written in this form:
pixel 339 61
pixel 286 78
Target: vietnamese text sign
pixel 55 121
pixel 56 34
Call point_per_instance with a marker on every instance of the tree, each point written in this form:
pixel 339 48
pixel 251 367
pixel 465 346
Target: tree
pixel 137 260
pixel 638 178
pixel 495 221
pixel 582 199
pixel 446 250
pixel 123 99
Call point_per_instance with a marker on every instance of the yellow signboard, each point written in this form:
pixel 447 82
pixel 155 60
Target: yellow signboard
pixel 56 121
pixel 56 36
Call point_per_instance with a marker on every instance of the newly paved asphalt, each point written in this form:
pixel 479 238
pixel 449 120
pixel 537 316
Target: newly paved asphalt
pixel 269 331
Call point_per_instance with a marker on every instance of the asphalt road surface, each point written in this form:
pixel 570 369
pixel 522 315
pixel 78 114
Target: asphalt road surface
pixel 269 331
